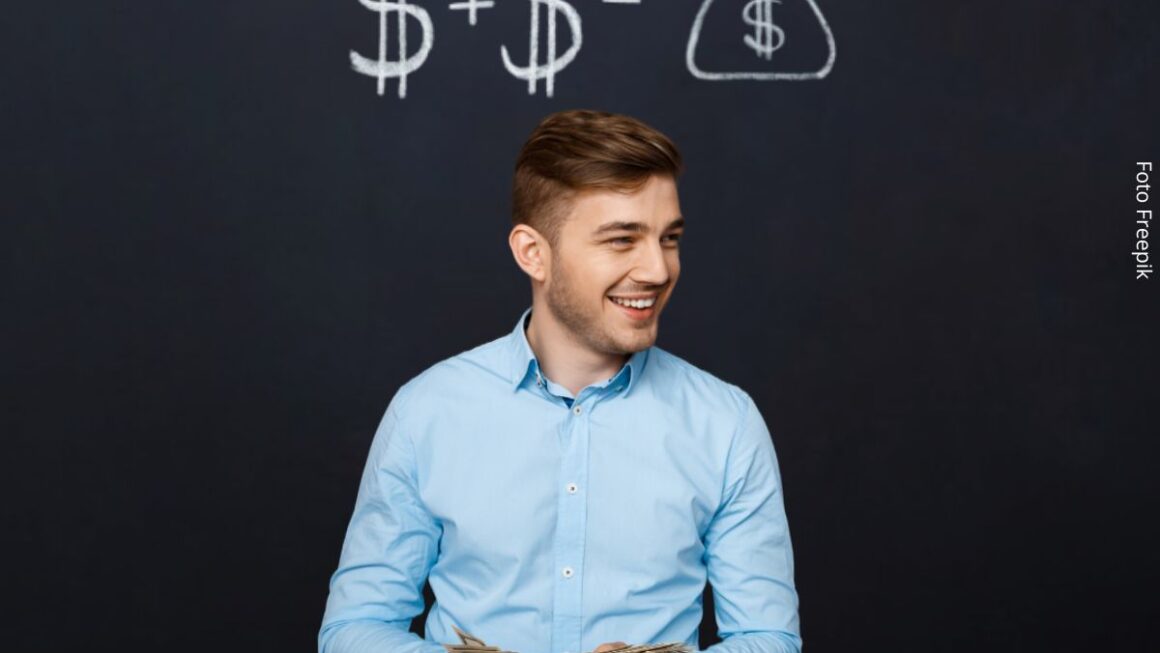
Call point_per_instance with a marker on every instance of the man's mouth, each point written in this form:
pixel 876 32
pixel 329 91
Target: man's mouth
pixel 643 302
pixel 640 308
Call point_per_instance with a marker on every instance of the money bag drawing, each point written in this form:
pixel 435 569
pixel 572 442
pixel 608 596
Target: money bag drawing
pixel 762 40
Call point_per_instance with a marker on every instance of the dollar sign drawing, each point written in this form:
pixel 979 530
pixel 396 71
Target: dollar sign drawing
pixel 759 13
pixel 553 65
pixel 382 68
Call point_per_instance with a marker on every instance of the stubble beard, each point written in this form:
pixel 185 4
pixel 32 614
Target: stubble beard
pixel 588 328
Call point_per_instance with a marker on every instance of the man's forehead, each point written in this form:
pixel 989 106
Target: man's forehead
pixel 593 210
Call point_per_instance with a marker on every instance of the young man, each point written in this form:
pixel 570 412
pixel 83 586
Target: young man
pixel 571 486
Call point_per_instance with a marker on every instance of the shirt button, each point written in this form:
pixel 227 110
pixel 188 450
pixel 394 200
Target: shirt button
pixel 577 410
pixel 566 572
pixel 572 487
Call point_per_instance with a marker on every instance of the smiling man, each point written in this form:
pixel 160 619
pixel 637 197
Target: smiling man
pixel 571 486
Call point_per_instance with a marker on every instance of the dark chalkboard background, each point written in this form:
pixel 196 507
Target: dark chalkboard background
pixel 223 251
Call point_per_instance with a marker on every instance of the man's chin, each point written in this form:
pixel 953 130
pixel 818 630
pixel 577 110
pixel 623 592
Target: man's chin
pixel 638 343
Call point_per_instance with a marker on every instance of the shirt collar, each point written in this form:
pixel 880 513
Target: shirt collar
pixel 525 363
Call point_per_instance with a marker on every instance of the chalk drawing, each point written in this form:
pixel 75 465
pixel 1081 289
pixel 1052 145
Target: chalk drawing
pixel 534 71
pixel 766 38
pixel 471 6
pixel 382 68
pixel 759 13
pixel 761 42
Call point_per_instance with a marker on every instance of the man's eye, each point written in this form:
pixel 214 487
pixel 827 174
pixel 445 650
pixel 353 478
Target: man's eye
pixel 624 240
pixel 673 238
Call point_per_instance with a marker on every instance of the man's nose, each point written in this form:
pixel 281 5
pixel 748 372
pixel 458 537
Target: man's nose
pixel 651 266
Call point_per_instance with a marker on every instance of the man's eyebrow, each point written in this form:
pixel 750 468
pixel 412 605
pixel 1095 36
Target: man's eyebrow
pixel 637 227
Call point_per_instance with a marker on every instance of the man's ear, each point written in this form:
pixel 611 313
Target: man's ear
pixel 531 251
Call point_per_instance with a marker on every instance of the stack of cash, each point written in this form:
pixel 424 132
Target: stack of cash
pixel 670 647
pixel 473 644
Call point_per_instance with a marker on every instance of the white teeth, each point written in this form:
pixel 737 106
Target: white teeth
pixel 635 303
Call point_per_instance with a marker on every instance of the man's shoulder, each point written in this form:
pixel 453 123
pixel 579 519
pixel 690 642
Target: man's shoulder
pixel 681 379
pixel 467 372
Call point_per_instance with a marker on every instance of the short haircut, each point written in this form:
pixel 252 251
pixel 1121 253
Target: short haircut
pixel 580 149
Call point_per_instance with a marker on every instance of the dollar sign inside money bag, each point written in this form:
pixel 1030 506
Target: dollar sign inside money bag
pixel 383 68
pixel 553 64
pixel 759 13
pixel 761 27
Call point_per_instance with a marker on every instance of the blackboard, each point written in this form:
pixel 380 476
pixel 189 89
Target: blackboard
pixel 912 237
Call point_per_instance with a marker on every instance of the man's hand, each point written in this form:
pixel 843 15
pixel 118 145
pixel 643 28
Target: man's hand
pixel 609 646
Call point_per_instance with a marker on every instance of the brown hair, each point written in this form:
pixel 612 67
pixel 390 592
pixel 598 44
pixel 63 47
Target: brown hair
pixel 580 149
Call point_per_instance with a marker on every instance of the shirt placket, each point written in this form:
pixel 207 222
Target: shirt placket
pixel 572 509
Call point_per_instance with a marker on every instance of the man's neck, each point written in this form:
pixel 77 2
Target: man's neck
pixel 566 361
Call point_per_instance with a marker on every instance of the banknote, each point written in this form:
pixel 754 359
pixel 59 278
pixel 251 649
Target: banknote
pixel 472 644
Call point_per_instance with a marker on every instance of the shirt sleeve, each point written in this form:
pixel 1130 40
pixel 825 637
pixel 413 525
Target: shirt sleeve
pixel 747 549
pixel 391 544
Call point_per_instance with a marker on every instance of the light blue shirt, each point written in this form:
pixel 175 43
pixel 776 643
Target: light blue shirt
pixel 553 524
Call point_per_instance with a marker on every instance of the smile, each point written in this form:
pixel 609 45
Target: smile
pixel 637 310
pixel 635 303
